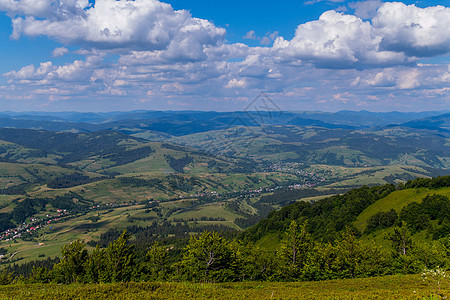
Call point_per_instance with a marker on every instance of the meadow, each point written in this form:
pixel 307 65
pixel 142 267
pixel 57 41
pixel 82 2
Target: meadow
pixel 386 287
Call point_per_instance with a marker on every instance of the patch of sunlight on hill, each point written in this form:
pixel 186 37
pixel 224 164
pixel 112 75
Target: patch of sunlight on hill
pixel 396 200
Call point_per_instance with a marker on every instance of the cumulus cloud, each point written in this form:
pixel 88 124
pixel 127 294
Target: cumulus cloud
pixel 30 72
pixel 398 34
pixel 415 31
pixel 340 56
pixel 405 78
pixel 338 40
pixel 76 71
pixel 111 24
pixel 235 83
pixel 51 9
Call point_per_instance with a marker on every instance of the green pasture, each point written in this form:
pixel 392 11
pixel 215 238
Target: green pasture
pixel 396 200
pixel 387 287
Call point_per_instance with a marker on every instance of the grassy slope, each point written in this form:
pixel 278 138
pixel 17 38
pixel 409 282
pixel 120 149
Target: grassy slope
pixel 320 145
pixel 388 287
pixel 368 175
pixel 396 200
pixel 51 238
pixel 16 173
pixel 54 236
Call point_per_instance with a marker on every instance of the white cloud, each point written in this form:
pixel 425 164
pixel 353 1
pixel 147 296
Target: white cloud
pixel 415 31
pixel 235 83
pixel 340 57
pixel 60 51
pixel 111 24
pixel 337 40
pixel 251 35
pixel 267 39
pixel 51 9
pixel 404 78
pixel 366 9
pixel 30 72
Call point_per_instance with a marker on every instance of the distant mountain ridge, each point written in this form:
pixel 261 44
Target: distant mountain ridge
pixel 180 123
pixel 440 123
pixel 346 138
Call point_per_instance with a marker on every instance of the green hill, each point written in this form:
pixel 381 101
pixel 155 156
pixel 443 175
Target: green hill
pixel 110 152
pixel 396 201
pixel 326 218
pixel 318 145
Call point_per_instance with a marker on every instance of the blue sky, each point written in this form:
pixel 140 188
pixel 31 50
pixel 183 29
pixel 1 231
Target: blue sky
pixel 219 55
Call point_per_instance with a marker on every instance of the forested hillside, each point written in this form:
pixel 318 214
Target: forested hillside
pixel 325 218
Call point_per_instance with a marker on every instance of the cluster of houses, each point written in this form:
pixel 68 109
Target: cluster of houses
pixel 35 224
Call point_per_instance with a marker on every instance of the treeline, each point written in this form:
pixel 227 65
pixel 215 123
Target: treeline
pixel 20 189
pixel 179 164
pixel 123 156
pixel 431 183
pixel 169 183
pixel 210 257
pixel 141 182
pixel 247 218
pixel 26 269
pixel 61 182
pixel 165 231
pixel 283 197
pixel 182 184
pixel 317 243
pixel 326 217
pixel 418 216
pixel 71 180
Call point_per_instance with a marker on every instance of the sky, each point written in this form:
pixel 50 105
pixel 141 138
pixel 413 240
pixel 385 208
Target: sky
pixel 315 55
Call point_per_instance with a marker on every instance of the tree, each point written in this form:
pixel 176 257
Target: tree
pixel 71 268
pixel 156 262
pixel 349 255
pixel 250 262
pixel 208 257
pixel 120 259
pixel 295 247
pixel 401 239
pixel 6 277
pixel 402 246
pixel 40 275
pixel 97 267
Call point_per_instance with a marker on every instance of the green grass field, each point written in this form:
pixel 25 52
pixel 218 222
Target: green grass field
pixel 388 287
pixel 396 200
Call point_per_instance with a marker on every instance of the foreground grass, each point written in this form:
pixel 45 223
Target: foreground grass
pixel 387 287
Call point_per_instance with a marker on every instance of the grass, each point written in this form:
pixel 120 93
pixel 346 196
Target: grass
pixel 387 287
pixel 54 236
pixel 374 175
pixel 270 242
pixel 396 200
pixel 214 210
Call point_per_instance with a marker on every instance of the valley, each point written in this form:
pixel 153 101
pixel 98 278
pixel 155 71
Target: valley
pixel 59 186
